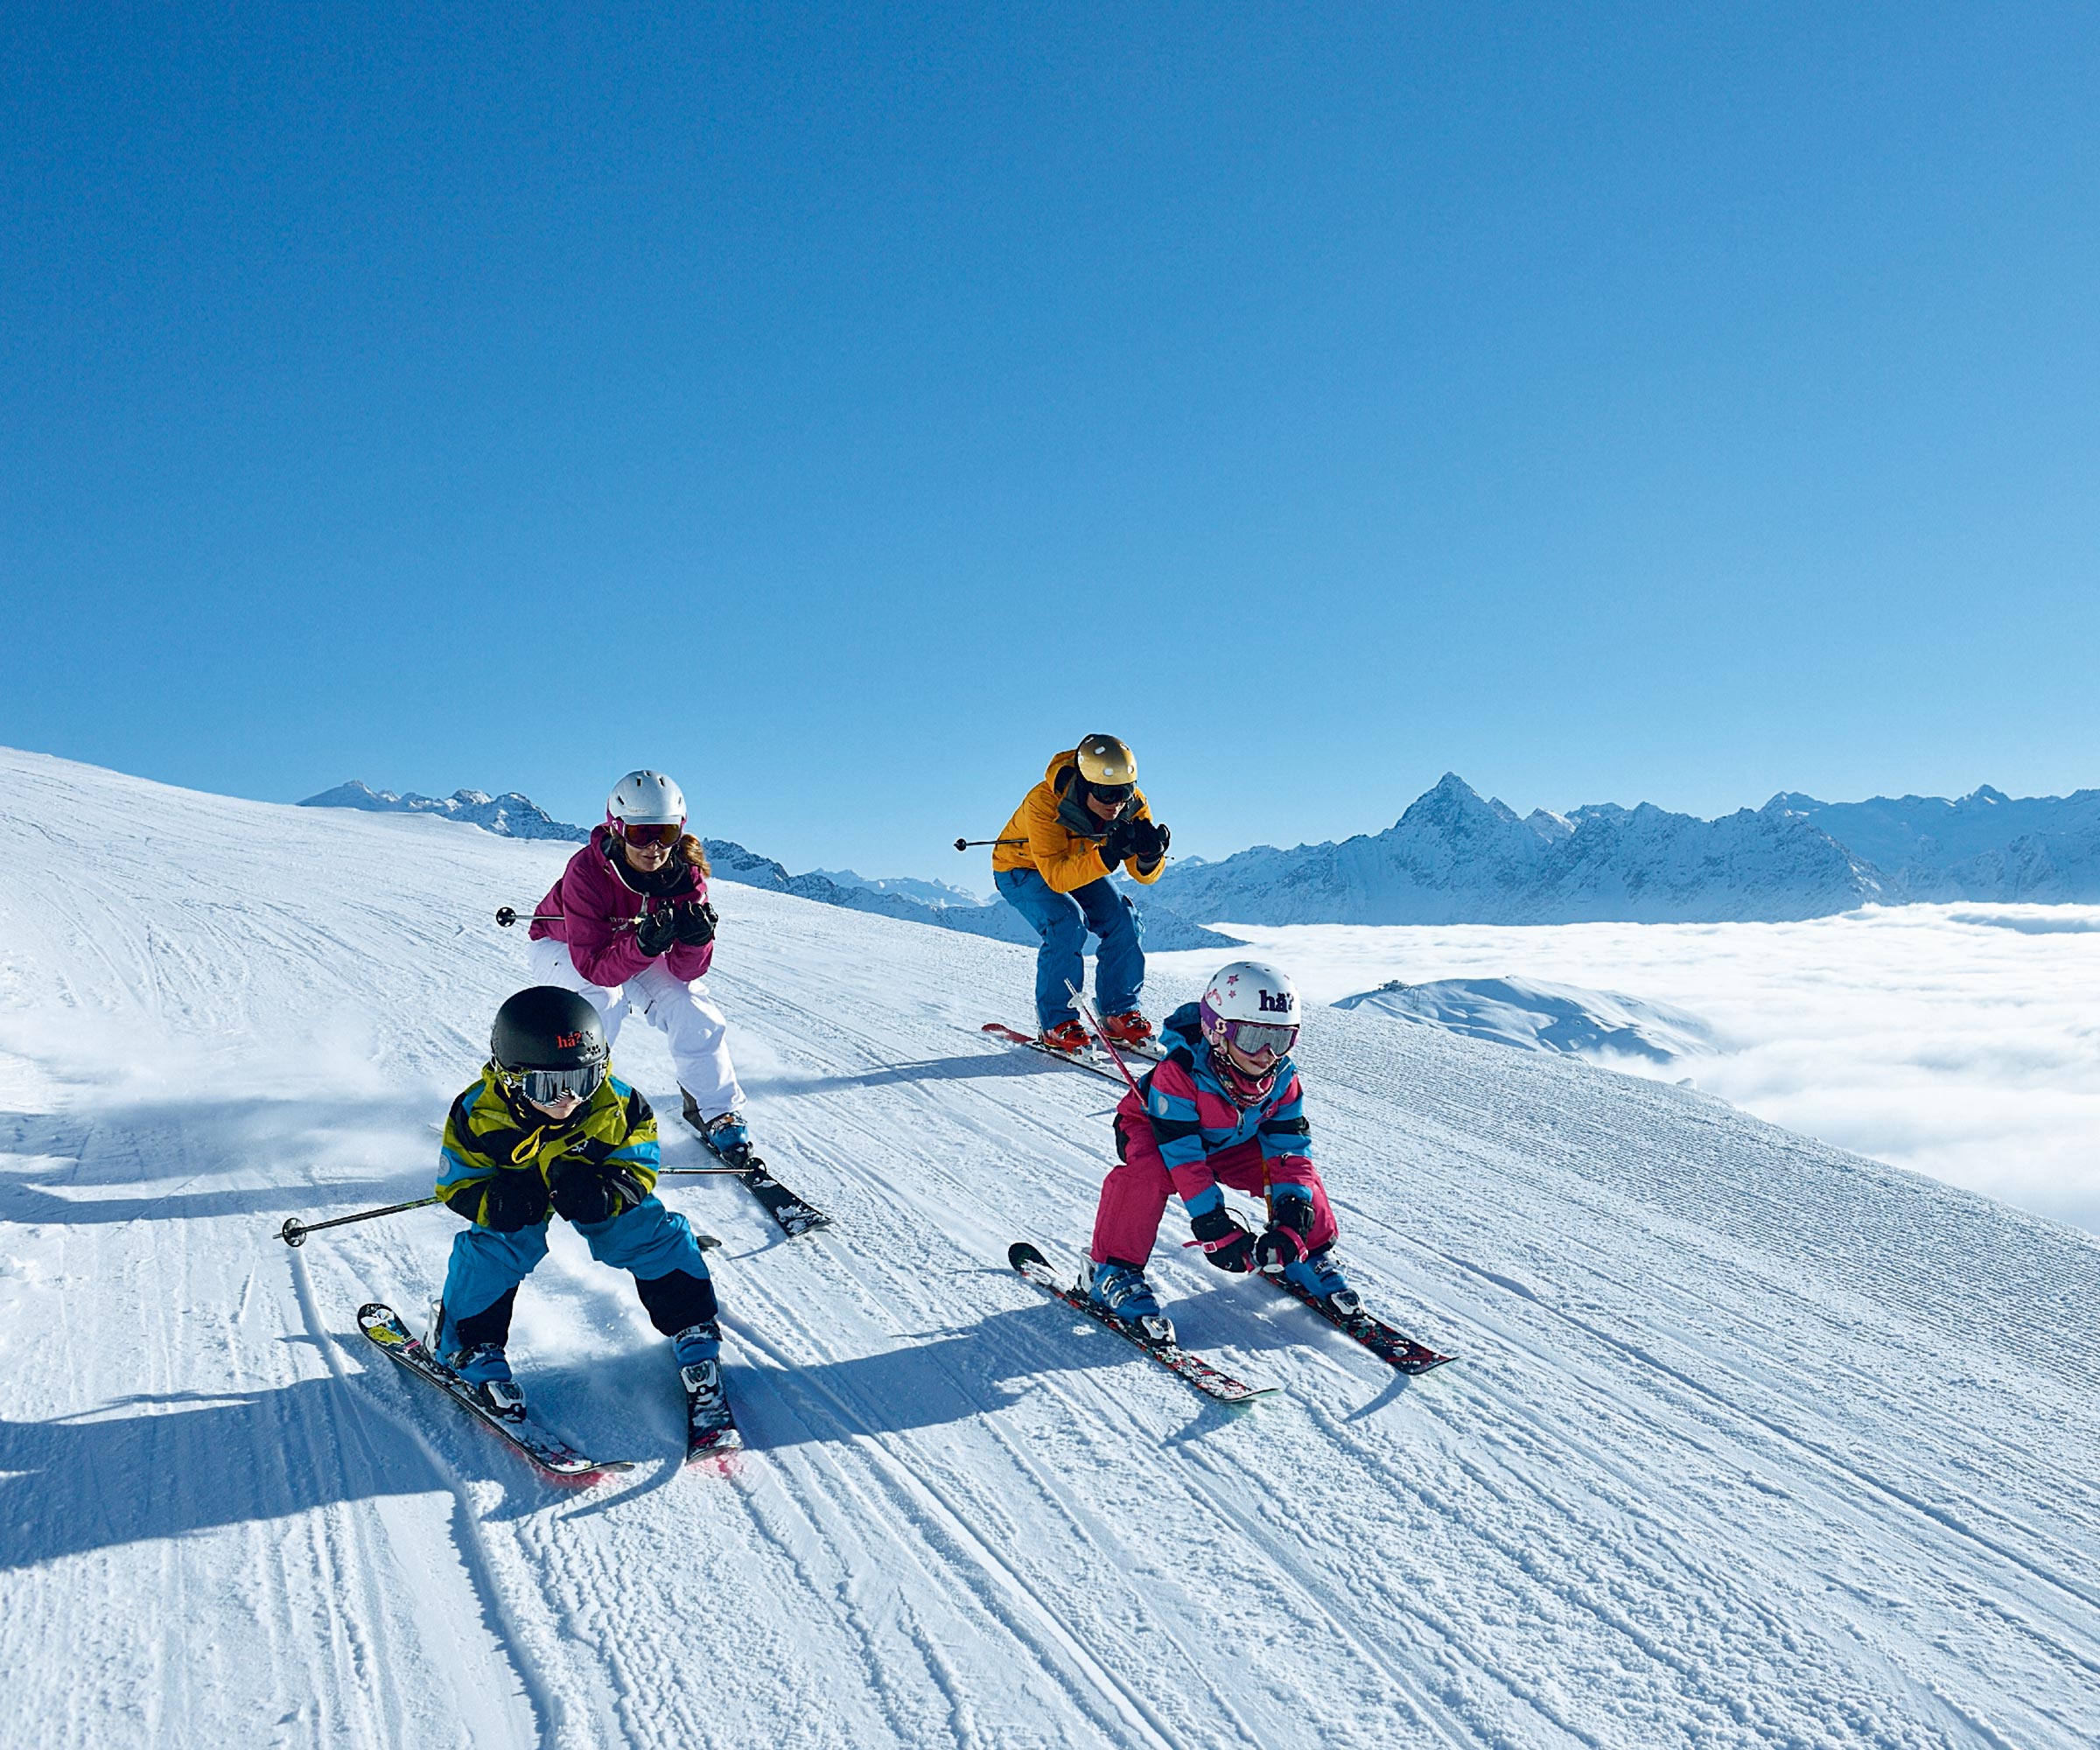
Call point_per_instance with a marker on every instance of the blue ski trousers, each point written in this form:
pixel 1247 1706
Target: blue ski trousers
pixel 648 1239
pixel 1062 921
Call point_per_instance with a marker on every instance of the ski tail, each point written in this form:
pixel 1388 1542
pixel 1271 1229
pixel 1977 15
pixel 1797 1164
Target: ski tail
pixel 554 1457
pixel 1212 1382
pixel 791 1214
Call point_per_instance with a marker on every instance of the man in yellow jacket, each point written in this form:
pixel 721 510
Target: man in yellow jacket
pixel 1052 864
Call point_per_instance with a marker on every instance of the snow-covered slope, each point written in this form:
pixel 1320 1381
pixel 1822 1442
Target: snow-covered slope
pixel 1752 1442
pixel 1535 1015
pixel 1456 857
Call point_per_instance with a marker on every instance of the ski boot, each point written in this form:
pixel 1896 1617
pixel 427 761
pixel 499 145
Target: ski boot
pixel 1320 1274
pixel 701 1342
pixel 1121 1289
pixel 1128 1028
pixel 710 1426
pixel 487 1371
pixel 1068 1036
pixel 728 1137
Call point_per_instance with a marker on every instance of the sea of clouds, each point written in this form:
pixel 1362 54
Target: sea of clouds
pixel 1961 1042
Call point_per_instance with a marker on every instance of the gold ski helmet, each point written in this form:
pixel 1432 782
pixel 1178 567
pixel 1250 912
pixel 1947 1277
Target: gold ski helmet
pixel 1103 759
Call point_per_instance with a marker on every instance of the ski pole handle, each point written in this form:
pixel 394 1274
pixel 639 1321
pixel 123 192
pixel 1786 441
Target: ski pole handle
pixel 971 843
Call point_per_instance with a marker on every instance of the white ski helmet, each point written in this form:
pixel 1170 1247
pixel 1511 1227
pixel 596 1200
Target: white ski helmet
pixel 1251 990
pixel 1250 1008
pixel 646 799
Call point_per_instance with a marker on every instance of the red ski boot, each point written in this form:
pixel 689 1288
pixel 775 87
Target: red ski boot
pixel 1128 1028
pixel 1069 1037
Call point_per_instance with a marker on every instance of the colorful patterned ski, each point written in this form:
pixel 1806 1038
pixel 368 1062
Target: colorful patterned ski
pixel 555 1457
pixel 1380 1338
pixel 1209 1380
pixel 1093 1058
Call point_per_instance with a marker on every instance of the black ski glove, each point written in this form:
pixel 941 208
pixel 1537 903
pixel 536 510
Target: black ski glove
pixel 1225 1242
pixel 1116 846
pixel 696 924
pixel 1149 840
pixel 585 1192
pixel 657 930
pixel 1283 1242
pixel 509 1199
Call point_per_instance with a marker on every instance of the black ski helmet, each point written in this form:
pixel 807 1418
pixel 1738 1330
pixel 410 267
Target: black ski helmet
pixel 547 1028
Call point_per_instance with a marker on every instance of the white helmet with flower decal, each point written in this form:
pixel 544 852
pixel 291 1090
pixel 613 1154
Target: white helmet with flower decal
pixel 1250 1013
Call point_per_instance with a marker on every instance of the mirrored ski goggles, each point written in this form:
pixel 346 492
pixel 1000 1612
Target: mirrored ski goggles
pixel 544 1087
pixel 1253 1037
pixel 654 832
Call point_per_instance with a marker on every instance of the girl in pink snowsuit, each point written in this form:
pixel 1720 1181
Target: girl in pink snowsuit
pixel 1201 1120
pixel 628 927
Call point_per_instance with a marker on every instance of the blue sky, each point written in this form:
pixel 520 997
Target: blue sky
pixel 843 409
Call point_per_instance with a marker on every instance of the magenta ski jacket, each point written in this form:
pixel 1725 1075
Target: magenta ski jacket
pixel 594 909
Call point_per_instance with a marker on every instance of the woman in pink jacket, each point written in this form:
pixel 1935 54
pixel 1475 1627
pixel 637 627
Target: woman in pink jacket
pixel 628 927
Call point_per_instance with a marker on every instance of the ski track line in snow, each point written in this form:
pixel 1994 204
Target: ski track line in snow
pixel 554 1712
pixel 1020 1603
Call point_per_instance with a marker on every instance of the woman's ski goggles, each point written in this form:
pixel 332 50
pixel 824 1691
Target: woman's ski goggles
pixel 654 832
pixel 1118 794
pixel 544 1087
pixel 1251 1039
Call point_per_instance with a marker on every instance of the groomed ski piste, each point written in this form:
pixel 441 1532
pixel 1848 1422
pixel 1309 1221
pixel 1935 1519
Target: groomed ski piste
pixel 1750 1442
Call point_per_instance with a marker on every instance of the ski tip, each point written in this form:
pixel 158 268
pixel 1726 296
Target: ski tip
pixel 1020 1252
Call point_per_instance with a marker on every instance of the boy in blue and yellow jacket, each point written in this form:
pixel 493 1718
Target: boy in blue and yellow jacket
pixel 548 1130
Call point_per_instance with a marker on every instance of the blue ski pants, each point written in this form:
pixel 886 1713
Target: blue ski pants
pixel 648 1239
pixel 1062 921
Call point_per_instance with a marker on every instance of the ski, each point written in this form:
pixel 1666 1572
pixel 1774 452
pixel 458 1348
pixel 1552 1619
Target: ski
pixel 555 1457
pixel 1380 1338
pixel 710 1425
pixel 1093 1058
pixel 1032 1264
pixel 794 1217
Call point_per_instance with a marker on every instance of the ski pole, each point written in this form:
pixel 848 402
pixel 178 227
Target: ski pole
pixel 1087 1010
pixel 294 1231
pixel 972 843
pixel 507 915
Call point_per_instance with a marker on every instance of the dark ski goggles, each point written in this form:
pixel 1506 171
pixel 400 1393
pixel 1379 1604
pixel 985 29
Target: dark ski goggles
pixel 1116 793
pixel 1253 1037
pixel 652 832
pixel 544 1087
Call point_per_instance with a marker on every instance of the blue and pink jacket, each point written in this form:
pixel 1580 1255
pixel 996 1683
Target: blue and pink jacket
pixel 1187 1115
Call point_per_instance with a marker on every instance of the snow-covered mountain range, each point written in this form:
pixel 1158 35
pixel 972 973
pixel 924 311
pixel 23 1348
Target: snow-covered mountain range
pixel 1986 845
pixel 1751 1442
pixel 1456 857
pixel 927 892
pixel 513 815
pixel 509 815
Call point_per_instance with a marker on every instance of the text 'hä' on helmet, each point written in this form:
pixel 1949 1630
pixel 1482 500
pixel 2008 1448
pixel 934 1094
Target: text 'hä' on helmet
pixel 646 799
pixel 1249 1014
pixel 547 1042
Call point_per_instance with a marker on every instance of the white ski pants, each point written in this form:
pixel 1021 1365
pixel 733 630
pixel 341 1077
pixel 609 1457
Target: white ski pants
pixel 698 1034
